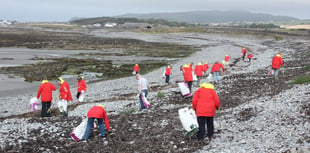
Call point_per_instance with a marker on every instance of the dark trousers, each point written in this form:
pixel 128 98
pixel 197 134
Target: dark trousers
pixel 45 107
pixel 78 95
pixel 190 83
pixel 202 127
pixel 167 78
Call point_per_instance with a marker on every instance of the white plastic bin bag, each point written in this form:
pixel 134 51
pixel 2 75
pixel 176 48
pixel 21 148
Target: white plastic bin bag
pixel 78 132
pixel 34 104
pixel 145 101
pixel 189 120
pixel 62 105
pixel 184 89
pixel 82 96
pixel 194 77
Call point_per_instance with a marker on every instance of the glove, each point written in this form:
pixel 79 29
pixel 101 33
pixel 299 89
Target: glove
pixel 110 133
pixel 82 91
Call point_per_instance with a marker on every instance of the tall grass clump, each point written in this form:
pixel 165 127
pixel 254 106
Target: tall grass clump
pixel 301 80
pixel 160 95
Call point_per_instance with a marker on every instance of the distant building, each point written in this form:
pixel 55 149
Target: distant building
pixel 110 25
pixel 97 25
pixel 5 23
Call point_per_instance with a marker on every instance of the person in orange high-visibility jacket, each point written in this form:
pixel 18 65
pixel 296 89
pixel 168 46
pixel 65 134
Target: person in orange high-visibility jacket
pixel 64 96
pixel 216 68
pixel 204 102
pixel 188 76
pixel 97 112
pixel 277 62
pixel 45 91
pixel 243 53
pixel 81 87
pixel 136 68
pixel 199 71
pixel 168 73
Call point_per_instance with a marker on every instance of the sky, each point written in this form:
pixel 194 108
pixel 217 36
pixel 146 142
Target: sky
pixel 64 10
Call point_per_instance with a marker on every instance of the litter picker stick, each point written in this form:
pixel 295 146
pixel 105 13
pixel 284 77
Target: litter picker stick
pixel 50 109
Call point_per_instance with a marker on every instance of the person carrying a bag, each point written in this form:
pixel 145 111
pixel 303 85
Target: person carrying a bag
pixel 204 102
pixel 64 96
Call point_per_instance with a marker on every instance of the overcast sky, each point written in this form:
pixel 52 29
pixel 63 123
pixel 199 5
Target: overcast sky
pixel 64 10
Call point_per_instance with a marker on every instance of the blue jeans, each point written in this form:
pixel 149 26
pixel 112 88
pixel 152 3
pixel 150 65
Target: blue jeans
pixel 276 72
pixel 89 126
pixel 216 76
pixel 167 78
pixel 140 99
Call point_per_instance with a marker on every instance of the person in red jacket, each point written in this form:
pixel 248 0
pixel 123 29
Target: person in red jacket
pixel 64 96
pixel 45 91
pixel 191 66
pixel 168 73
pixel 199 71
pixel 97 112
pixel 250 55
pixel 188 76
pixel 204 102
pixel 81 88
pixel 277 62
pixel 226 59
pixel 243 53
pixel 136 69
pixel 216 68
pixel 205 69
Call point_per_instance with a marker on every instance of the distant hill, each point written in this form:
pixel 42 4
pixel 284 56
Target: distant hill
pixel 211 17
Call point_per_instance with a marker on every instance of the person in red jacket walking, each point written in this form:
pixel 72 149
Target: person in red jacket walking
pixel 226 60
pixel 199 71
pixel 216 68
pixel 204 102
pixel 136 69
pixel 45 91
pixel 64 96
pixel 277 62
pixel 205 69
pixel 188 76
pixel 97 112
pixel 243 53
pixel 168 73
pixel 81 88
pixel 250 55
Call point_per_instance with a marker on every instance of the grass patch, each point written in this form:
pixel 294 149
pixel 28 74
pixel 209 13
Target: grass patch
pixel 277 37
pixel 160 95
pixel 306 68
pixel 301 80
pixel 127 112
pixel 173 30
